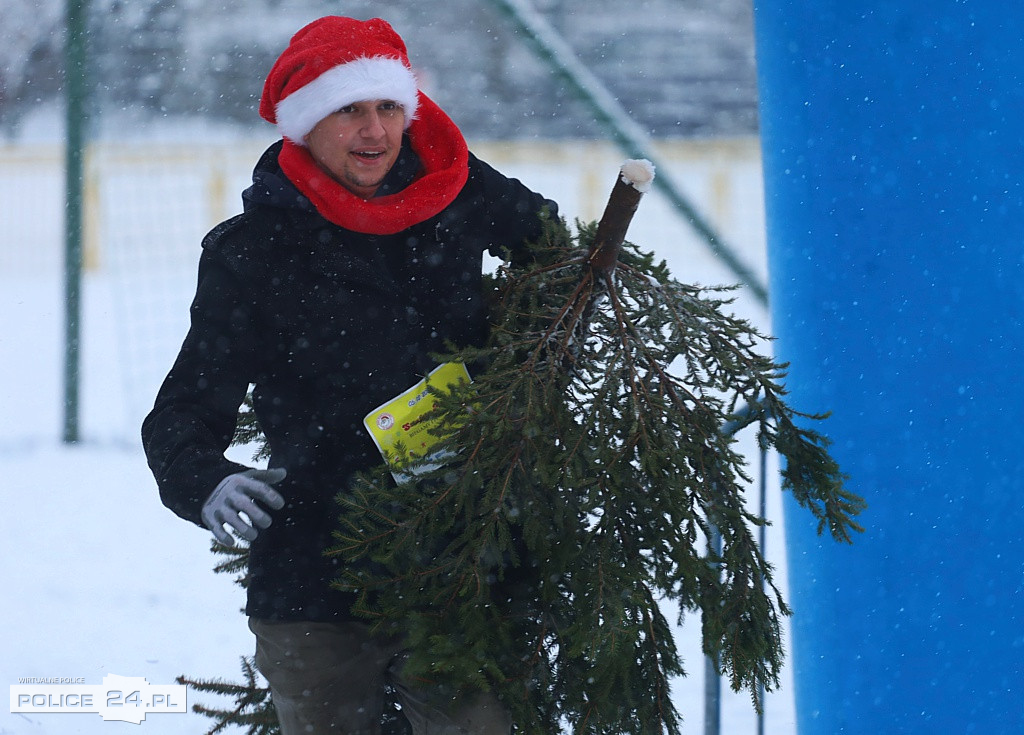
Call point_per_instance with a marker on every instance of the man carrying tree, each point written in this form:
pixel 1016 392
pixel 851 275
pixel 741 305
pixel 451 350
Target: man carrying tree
pixel 357 257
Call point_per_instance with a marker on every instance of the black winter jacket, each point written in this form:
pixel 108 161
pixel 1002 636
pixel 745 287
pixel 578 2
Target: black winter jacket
pixel 326 324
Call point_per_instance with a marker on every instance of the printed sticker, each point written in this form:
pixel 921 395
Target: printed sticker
pixel 402 420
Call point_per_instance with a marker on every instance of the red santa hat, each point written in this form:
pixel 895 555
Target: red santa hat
pixel 331 63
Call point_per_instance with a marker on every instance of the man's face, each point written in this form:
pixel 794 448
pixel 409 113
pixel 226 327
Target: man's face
pixel 358 144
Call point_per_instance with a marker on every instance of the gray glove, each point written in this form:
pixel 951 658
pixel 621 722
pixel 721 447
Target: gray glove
pixel 237 494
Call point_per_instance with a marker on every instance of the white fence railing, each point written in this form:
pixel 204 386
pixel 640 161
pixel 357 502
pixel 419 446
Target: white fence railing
pixel 138 192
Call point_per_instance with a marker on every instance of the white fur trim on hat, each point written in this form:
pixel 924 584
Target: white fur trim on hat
pixel 377 78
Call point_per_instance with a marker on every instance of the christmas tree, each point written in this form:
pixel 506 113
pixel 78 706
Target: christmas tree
pixel 567 496
pixel 582 473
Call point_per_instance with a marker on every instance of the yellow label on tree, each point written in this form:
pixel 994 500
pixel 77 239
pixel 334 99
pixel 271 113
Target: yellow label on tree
pixel 401 421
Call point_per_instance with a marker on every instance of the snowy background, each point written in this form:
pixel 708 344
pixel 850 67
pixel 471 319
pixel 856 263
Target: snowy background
pixel 98 577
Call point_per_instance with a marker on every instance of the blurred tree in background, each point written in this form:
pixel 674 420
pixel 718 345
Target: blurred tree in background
pixel 680 67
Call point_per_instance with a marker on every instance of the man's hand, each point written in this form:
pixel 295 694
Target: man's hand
pixel 237 494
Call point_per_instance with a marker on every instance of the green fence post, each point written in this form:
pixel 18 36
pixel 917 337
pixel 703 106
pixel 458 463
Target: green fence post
pixel 75 61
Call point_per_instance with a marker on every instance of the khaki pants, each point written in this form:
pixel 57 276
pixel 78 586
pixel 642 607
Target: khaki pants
pixel 329 678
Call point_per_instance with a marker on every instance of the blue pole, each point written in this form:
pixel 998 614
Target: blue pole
pixel 893 140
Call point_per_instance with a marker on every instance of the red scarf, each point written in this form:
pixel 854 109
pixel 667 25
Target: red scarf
pixel 442 151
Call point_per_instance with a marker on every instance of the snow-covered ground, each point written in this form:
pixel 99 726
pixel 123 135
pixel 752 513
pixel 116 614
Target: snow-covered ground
pixel 97 578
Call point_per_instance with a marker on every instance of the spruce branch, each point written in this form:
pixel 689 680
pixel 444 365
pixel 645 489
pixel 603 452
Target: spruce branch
pixel 252 707
pixel 248 431
pixel 233 560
